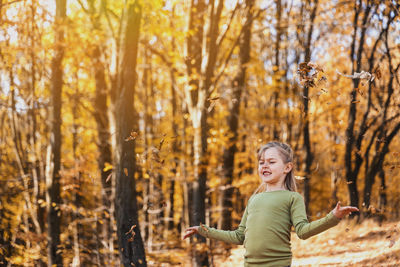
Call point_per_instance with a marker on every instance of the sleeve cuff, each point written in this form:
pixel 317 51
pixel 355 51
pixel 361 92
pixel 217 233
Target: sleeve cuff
pixel 332 217
pixel 203 230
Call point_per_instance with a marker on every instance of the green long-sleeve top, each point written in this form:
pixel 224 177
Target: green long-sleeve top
pixel 265 227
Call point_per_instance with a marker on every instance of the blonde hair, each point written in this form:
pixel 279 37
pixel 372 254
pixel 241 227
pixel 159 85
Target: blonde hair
pixel 286 154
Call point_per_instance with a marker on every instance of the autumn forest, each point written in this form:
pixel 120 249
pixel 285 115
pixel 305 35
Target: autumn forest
pixel 124 122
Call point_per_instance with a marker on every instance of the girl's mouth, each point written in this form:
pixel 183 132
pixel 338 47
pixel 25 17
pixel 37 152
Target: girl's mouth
pixel 266 173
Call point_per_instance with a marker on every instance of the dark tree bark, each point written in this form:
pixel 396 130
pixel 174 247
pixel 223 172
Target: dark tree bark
pixel 382 135
pixel 306 126
pixel 382 192
pixel 276 76
pixel 101 115
pixel 53 182
pixel 175 149
pixel 238 85
pixel 197 110
pixel 130 242
pixel 352 170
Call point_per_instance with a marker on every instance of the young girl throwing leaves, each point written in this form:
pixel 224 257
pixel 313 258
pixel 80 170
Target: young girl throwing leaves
pixel 270 213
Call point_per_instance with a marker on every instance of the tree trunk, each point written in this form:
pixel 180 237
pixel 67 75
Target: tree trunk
pixel 175 151
pixel 306 127
pixel 238 85
pixel 130 242
pixel 53 182
pixel 382 192
pixel 351 171
pixel 200 258
pixel 276 76
pixel 103 147
pixel 196 105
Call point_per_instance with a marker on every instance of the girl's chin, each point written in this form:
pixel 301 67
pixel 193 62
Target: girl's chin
pixel 266 180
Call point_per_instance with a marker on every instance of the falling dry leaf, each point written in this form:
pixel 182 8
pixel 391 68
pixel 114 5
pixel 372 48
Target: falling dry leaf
pixel 108 177
pixel 107 167
pixel 350 182
pixel 359 75
pixel 392 242
pixel 132 136
pixel 126 171
pixel 361 92
pixel 161 143
pixel 378 73
pixel 310 74
pixel 131 230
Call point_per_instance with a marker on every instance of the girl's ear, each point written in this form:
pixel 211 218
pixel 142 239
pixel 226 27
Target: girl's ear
pixel 288 167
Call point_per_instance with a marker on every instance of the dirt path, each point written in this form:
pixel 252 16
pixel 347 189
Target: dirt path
pixel 347 244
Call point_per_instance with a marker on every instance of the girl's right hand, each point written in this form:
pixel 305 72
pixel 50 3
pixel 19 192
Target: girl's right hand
pixel 191 231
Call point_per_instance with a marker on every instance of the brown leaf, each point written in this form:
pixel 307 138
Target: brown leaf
pixel 131 230
pixel 315 66
pixel 304 66
pixel 350 182
pixel 132 136
pixel 392 242
pixel 378 73
pixel 126 171
pixel 108 177
pixel 161 143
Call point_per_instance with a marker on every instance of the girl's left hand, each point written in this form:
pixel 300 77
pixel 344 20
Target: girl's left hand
pixel 340 212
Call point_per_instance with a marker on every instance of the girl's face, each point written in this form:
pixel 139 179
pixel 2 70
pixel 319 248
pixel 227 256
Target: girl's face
pixel 271 168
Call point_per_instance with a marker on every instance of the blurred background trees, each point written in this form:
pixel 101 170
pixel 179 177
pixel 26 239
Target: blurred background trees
pixel 124 122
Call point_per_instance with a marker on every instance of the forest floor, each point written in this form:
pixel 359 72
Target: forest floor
pixel 348 244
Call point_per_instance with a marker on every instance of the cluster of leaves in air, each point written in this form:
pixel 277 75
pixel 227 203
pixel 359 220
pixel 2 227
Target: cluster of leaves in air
pixel 310 74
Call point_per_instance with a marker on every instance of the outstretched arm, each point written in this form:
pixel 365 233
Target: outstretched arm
pixel 234 237
pixel 306 229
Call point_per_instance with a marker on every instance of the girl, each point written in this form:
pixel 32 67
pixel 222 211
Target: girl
pixel 271 211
